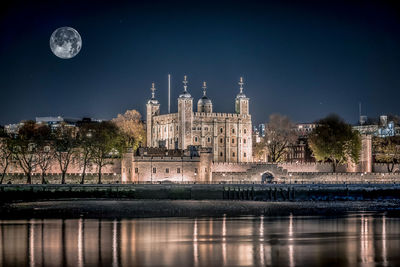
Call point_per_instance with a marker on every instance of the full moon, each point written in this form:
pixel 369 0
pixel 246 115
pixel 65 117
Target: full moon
pixel 65 42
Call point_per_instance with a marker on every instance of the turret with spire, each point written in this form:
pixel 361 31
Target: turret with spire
pixel 204 104
pixel 241 101
pixel 152 109
pixel 185 117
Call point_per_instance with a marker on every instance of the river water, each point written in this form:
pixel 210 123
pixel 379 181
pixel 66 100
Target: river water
pixel 352 240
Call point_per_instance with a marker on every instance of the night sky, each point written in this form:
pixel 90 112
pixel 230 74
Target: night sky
pixel 304 60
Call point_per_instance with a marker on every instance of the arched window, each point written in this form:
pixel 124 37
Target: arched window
pixel 221 130
pixel 221 154
pixel 233 130
pixel 233 154
pixel 221 140
pixel 233 140
pixel 209 139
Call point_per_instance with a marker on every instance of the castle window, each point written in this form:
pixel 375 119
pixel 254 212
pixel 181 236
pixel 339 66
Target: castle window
pixel 129 170
pixel 177 128
pixel 233 141
pixel 136 170
pixel 195 138
pixel 221 154
pixel 244 140
pixel 199 128
pixel 178 170
pixel 233 130
pixel 195 170
pixel 244 130
pixel 209 139
pixel 221 141
pixel 221 130
pixel 193 128
pixel 154 170
pixel 233 154
pixel 244 154
pixel 167 170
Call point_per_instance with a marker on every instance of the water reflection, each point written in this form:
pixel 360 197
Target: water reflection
pixel 251 241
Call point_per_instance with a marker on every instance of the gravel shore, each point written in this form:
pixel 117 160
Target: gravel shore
pixel 95 208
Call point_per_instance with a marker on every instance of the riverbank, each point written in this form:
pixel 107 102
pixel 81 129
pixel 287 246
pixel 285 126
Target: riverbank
pixel 95 208
pixel 256 192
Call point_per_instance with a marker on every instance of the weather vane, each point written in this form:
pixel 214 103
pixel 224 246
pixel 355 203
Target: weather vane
pixel 241 84
pixel 153 89
pixel 204 88
pixel 185 82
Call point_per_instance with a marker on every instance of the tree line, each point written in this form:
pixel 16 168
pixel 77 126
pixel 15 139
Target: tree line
pixel 332 140
pixel 37 146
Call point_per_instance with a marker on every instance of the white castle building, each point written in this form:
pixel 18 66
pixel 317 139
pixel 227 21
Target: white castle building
pixel 228 135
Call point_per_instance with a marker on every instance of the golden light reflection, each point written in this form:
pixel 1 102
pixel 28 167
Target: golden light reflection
pixel 80 243
pixel 224 240
pixel 384 249
pixel 31 243
pixel 291 253
pixel 186 242
pixel 367 249
pixel 195 245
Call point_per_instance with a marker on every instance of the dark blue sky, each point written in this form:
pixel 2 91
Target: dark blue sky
pixel 304 59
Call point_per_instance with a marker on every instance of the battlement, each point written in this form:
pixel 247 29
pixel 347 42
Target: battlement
pixel 169 116
pixel 221 115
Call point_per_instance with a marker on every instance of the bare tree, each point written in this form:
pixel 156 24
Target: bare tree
pixel 65 146
pixel 84 154
pixel 6 151
pixel 279 136
pixel 26 149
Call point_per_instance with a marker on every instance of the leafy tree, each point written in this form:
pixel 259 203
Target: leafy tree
pixel 131 127
pixel 107 143
pixel 387 150
pixel 65 146
pixel 279 136
pixel 335 141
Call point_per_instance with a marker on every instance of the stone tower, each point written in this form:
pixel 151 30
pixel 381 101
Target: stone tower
pixel 241 101
pixel 185 117
pixel 204 104
pixel 152 109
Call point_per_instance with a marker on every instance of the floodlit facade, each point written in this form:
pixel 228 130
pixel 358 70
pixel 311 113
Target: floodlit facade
pixel 228 135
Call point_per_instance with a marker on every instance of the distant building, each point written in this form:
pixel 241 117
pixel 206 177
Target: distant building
pixel 381 128
pixel 305 129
